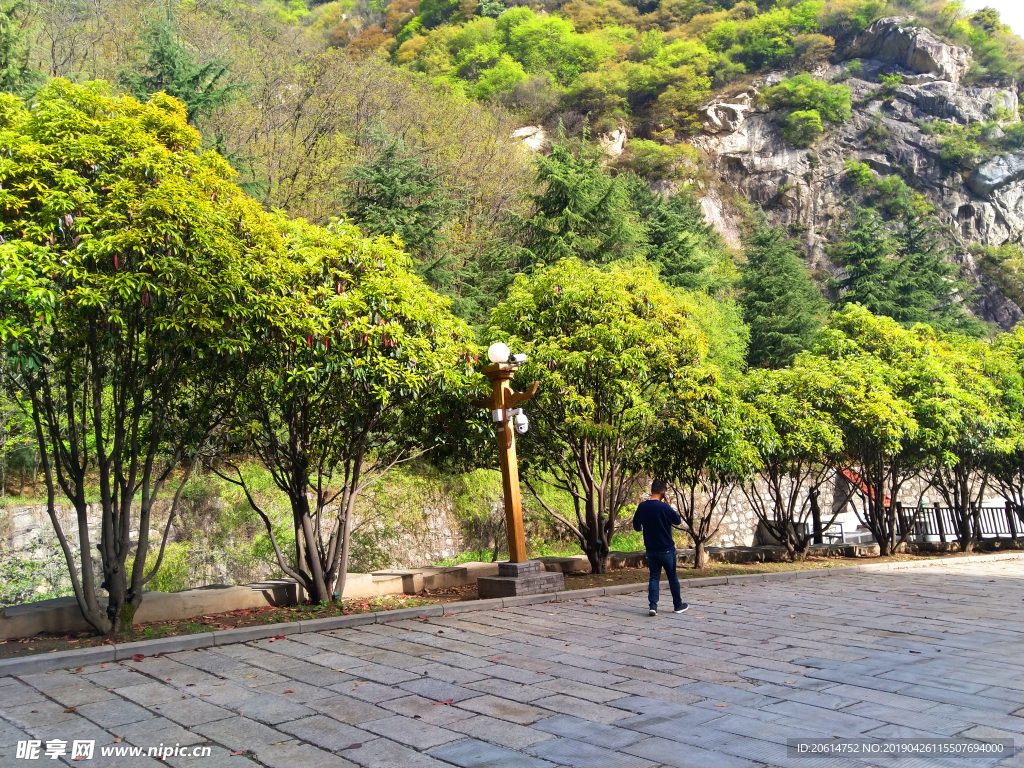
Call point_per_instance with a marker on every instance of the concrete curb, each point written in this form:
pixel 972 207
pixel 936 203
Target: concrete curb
pixel 107 653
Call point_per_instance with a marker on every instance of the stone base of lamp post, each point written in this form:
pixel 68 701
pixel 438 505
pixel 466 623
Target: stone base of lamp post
pixel 514 579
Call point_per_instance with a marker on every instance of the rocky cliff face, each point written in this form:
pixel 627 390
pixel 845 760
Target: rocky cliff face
pixel 806 188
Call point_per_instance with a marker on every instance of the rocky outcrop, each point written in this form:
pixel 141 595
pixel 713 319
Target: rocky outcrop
pixel 613 143
pixel 997 172
pixel 727 115
pixel 894 40
pixel 807 190
pixel 533 136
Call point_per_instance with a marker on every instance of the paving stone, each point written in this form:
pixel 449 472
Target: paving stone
pixel 499 731
pixel 380 673
pixel 569 706
pixel 513 711
pixel 298 692
pixel 149 693
pixel 424 709
pixel 602 735
pixel 112 713
pixel 837 723
pixel 191 711
pixel 411 732
pixel 292 755
pixel 583 691
pixel 512 691
pixel 669 753
pixel 471 753
pixel 157 730
pixel 81 693
pixel 582 755
pixel 348 710
pixel 240 733
pixel 448 674
pixel 437 690
pixel 715 689
pixel 384 753
pixel 326 732
pixel 370 692
pixel 219 757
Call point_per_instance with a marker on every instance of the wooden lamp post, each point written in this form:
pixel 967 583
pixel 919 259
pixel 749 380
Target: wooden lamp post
pixel 503 400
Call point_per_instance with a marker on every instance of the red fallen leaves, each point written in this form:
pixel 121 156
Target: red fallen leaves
pixel 279 637
pixel 289 690
pixel 443 703
pixel 239 752
pixel 138 657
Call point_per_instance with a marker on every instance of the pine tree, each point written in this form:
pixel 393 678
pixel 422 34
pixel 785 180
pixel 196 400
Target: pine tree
pixel 780 302
pixel 16 76
pixel 686 249
pixel 927 285
pixel 170 67
pixel 581 211
pixel 868 252
pixel 395 194
pixel 901 269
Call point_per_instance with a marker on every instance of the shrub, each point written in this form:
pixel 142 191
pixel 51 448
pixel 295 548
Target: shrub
pixel 860 174
pixel 655 161
pixel 802 127
pixel 803 92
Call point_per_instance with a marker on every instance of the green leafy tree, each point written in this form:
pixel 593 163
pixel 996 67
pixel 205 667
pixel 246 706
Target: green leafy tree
pixel 888 396
pixel 394 194
pixel 170 67
pixel 701 449
pixel 129 286
pixel 969 425
pixel 344 391
pixel 1008 468
pixel 781 304
pixel 603 345
pixel 797 449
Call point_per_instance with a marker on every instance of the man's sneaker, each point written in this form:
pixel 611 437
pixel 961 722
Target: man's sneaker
pixel 682 608
pixel 652 612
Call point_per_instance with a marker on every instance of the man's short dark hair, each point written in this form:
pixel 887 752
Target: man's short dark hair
pixel 658 487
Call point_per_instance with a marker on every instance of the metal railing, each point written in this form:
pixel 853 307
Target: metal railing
pixel 944 522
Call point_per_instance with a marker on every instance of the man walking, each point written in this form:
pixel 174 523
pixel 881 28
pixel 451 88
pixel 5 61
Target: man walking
pixel 655 518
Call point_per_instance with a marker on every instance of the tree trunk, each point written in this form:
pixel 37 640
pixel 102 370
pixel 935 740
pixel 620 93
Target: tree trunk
pixel 700 555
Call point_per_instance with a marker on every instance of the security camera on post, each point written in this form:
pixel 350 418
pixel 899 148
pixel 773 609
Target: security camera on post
pixel 506 415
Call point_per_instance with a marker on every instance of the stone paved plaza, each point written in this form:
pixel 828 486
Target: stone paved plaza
pixel 930 652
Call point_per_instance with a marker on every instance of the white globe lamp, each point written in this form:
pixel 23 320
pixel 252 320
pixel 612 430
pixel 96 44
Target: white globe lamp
pixel 498 352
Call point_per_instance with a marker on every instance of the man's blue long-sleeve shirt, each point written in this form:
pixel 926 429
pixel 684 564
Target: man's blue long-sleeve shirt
pixel 655 519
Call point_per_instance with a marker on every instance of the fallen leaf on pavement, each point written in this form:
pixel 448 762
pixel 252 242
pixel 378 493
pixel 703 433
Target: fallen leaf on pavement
pixel 239 752
pixel 289 690
pixel 442 703
pixel 721 705
pixel 138 657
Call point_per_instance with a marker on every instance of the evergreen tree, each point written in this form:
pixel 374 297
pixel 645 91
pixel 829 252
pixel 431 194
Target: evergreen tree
pixel 581 211
pixel 868 252
pixel 780 302
pixel 901 270
pixel 170 67
pixel 927 285
pixel 16 76
pixel 685 248
pixel 394 194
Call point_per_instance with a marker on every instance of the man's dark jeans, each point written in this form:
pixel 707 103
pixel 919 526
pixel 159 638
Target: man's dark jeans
pixel 656 561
